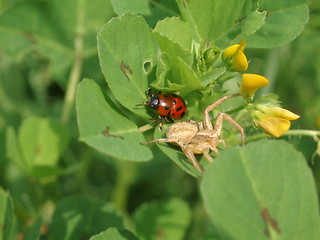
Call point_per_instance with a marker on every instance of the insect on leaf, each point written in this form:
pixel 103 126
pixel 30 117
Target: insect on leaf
pixel 104 128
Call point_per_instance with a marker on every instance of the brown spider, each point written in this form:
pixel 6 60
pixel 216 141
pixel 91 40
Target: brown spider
pixel 200 138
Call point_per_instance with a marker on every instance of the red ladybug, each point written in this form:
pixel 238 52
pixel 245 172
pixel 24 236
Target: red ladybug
pixel 168 106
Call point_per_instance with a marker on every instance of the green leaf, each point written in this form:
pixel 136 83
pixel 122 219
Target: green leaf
pixel 78 216
pixel 245 27
pixel 174 74
pixel 212 75
pixel 7 221
pixel 151 10
pixel 172 49
pixel 218 20
pixel 285 21
pixel 13 149
pixel 115 234
pixel 50 28
pixel 45 173
pixel 176 30
pixel 133 6
pixel 174 71
pixel 224 22
pixel 105 129
pixel 42 141
pixel 162 220
pixel 262 191
pixel 162 82
pixel 126 46
pixel 34 231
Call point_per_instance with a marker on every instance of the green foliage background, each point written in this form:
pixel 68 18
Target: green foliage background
pixel 71 163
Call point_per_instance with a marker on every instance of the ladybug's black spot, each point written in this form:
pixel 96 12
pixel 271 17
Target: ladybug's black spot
pixel 179 109
pixel 182 114
pixel 166 107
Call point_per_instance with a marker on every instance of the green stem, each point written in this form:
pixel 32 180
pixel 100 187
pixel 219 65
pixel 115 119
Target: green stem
pixel 73 79
pixel 146 127
pixel 125 174
pixel 236 109
pixel 303 132
pixel 296 132
pixel 256 137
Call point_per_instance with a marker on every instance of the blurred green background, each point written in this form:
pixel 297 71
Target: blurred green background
pixel 31 87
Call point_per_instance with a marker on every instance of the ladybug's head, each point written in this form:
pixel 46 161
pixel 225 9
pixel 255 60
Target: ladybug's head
pixel 154 101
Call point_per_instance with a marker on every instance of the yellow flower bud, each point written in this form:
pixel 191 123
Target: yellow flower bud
pixel 235 57
pixel 250 83
pixel 274 120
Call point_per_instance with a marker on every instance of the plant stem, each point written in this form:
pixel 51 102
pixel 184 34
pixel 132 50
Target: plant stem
pixel 303 132
pixel 73 78
pixel 125 174
pixel 146 127
pixel 295 132
pixel 236 109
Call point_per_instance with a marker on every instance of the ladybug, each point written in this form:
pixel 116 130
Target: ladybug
pixel 168 106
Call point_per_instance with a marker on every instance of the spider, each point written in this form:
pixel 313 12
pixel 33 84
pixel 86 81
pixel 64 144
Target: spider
pixel 200 138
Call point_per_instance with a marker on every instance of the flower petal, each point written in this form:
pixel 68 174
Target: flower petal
pixel 283 113
pixel 273 126
pixel 230 51
pixel 242 44
pixel 234 57
pixel 240 62
pixel 251 83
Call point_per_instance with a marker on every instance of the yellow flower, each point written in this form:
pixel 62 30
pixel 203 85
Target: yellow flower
pixel 250 83
pixel 235 57
pixel 274 120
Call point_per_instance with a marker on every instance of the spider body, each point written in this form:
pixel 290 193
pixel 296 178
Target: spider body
pixel 200 138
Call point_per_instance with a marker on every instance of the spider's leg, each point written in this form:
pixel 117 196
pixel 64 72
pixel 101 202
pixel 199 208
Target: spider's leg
pixel 167 140
pixel 218 125
pixel 206 118
pixel 192 158
pixel 214 149
pixel 200 126
pixel 207 155
pixel 223 142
